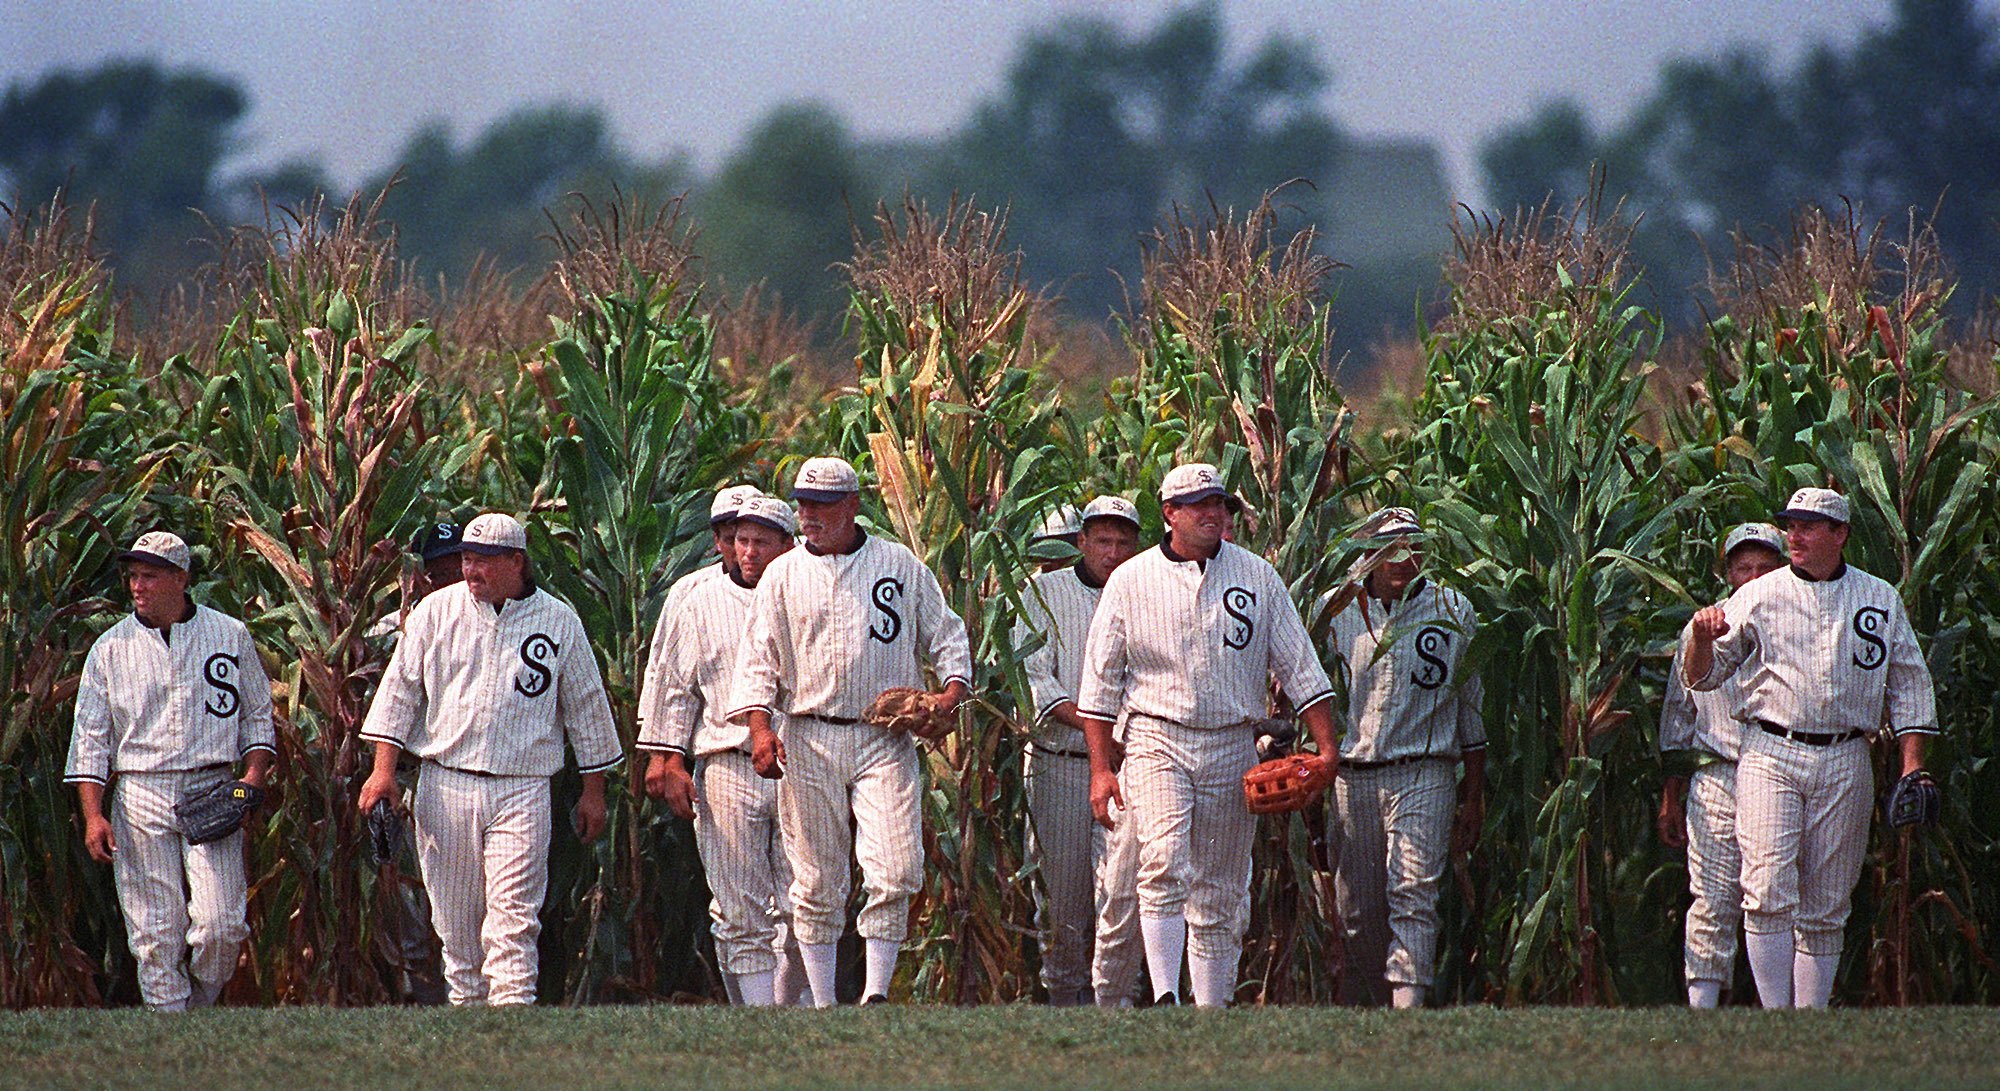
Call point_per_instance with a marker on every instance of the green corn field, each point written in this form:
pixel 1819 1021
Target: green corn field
pixel 306 406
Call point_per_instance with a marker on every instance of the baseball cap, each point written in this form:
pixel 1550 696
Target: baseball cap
pixel 1809 503
pixel 825 479
pixel 1192 483
pixel 1757 534
pixel 159 547
pixel 1111 507
pixel 1389 523
pixel 495 533
pixel 729 502
pixel 1064 521
pixel 769 511
pixel 439 539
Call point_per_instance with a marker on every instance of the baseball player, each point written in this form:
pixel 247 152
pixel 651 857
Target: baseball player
pixel 491 677
pixel 1412 719
pixel 1701 739
pixel 832 626
pixel 1184 641
pixel 1829 659
pixel 172 698
pixel 1063 840
pixel 681 707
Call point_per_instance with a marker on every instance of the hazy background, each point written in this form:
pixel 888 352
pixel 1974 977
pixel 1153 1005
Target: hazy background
pixel 1090 119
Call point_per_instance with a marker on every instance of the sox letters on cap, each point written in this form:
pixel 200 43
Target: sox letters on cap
pixel 729 502
pixel 495 533
pixel 1192 483
pixel 1824 504
pixel 158 547
pixel 825 479
pixel 1111 507
pixel 1759 534
pixel 769 511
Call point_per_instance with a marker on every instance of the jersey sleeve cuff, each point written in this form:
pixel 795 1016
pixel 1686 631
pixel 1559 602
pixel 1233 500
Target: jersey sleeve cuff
pixel 1899 732
pixel 1472 747
pixel 958 678
pixel 371 736
pixel 744 712
pixel 83 778
pixel 1050 706
pixel 264 746
pixel 600 766
pixel 1311 701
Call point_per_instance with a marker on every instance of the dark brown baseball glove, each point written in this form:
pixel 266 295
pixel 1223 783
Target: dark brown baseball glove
pixel 903 709
pixel 1285 784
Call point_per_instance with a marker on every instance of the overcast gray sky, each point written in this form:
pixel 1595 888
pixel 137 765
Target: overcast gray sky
pixel 347 80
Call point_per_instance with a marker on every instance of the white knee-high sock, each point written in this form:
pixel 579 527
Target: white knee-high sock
pixel 1771 957
pixel 1214 980
pixel 881 966
pixel 1165 939
pixel 822 964
pixel 1812 979
pixel 757 989
pixel 1704 994
pixel 1405 997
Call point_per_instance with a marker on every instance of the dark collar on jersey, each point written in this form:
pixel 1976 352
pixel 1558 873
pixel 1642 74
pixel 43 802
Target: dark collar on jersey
pixel 737 578
pixel 1083 577
pixel 527 592
pixel 860 539
pixel 1167 549
pixel 167 631
pixel 1810 578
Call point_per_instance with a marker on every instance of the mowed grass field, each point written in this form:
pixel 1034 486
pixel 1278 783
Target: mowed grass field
pixel 559 1049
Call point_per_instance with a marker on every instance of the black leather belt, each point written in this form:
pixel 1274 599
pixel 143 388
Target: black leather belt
pixel 841 721
pixel 1392 762
pixel 1039 748
pixel 1810 738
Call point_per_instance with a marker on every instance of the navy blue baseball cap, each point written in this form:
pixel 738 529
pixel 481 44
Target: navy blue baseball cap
pixel 440 539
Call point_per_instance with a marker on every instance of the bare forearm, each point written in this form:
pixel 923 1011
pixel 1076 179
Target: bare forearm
pixel 386 754
pixel 1913 752
pixel 257 766
pixel 90 798
pixel 1475 772
pixel 1103 748
pixel 1319 722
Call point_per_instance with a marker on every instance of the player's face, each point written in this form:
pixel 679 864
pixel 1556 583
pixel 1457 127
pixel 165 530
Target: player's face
pixel 159 592
pixel 725 545
pixel 494 580
pixel 829 524
pixel 756 547
pixel 1815 544
pixel 443 571
pixel 1105 544
pixel 1198 527
pixel 1750 562
pixel 1398 568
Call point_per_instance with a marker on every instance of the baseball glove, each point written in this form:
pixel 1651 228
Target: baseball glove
pixel 1914 801
pixel 1285 784
pixel 217 811
pixel 907 709
pixel 385 832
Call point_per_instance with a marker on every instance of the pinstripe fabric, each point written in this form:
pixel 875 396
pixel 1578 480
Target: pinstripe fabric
pixel 1704 721
pixel 1193 829
pixel 483 843
pixel 1391 829
pixel 160 716
pixel 850 788
pixel 828 632
pixel 1061 831
pixel 183 904
pixel 1406 695
pixel 1715 871
pixel 1829 657
pixel 691 666
pixel 1117 953
pixel 495 691
pixel 743 852
pixel 148 703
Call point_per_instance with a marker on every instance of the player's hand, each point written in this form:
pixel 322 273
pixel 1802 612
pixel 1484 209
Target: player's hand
pixel 590 817
pixel 1671 823
pixel 668 780
pixel 378 787
pixel 1710 624
pixel 767 753
pixel 1104 794
pixel 98 839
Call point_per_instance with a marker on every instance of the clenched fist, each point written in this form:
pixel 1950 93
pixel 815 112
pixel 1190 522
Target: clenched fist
pixel 1710 624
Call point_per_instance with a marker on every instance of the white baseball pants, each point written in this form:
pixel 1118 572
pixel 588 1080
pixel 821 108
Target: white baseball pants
pixel 736 831
pixel 1715 869
pixel 1802 816
pixel 184 904
pixel 1060 843
pixel 1185 787
pixel 851 788
pixel 1392 832
pixel 1118 952
pixel 483 844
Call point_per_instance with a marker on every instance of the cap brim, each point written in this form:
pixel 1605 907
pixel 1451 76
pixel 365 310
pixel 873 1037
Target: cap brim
pixel 822 496
pixel 140 556
pixel 434 552
pixel 1794 515
pixel 1197 496
pixel 485 549
pixel 718 520
pixel 1128 520
pixel 763 522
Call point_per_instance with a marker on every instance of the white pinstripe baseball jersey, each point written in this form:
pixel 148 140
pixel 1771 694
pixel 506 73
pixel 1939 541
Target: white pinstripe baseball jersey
pixel 1058 606
pixel 691 665
pixel 1196 643
pixel 829 632
pixel 497 692
pixel 151 700
pixel 1701 721
pixel 1825 655
pixel 1407 694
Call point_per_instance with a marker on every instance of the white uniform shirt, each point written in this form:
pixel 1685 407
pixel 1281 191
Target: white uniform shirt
pixel 1197 644
pixel 1407 693
pixel 150 702
pixel 829 632
pixel 1825 656
pixel 1704 722
pixel 489 691
pixel 1057 606
pixel 690 670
